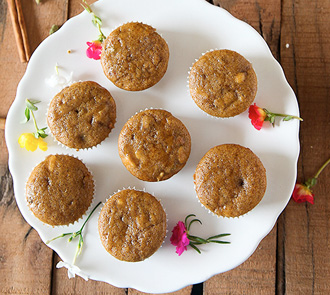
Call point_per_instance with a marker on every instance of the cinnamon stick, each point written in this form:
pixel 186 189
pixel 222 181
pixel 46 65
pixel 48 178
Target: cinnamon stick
pixel 17 18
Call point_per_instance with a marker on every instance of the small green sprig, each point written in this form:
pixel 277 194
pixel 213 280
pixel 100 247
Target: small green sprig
pixel 76 234
pixel 194 240
pixel 95 20
pixel 30 108
pixel 271 117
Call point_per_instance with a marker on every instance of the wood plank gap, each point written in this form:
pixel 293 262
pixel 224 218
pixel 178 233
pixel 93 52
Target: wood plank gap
pixel 197 289
pixel 52 274
pixel 280 283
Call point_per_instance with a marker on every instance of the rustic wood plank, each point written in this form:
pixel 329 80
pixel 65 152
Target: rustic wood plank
pixel 25 262
pixel 254 276
pixel 304 228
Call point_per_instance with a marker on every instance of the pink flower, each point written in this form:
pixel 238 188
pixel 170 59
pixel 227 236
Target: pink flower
pixel 257 116
pixel 302 193
pixel 94 49
pixel 179 238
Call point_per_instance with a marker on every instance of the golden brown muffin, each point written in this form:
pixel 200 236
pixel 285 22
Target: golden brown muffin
pixel 82 115
pixel 222 83
pixel 132 225
pixel 230 180
pixel 59 190
pixel 154 145
pixel 134 56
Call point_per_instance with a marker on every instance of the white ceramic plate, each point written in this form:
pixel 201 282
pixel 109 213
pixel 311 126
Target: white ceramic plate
pixel 191 27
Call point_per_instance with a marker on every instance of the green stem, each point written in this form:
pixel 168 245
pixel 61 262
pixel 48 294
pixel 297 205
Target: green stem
pixel 34 121
pixel 321 169
pixel 284 115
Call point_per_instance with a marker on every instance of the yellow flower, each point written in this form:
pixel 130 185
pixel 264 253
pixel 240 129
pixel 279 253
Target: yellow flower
pixel 31 143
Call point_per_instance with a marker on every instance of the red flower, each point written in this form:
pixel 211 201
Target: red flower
pixel 302 193
pixel 179 238
pixel 257 116
pixel 94 49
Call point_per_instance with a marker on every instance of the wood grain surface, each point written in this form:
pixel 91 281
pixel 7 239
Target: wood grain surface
pixel 295 257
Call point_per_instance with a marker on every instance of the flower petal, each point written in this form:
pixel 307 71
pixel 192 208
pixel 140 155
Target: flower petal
pixel 257 116
pixel 302 193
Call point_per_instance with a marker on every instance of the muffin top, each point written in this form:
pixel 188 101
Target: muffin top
pixel 222 83
pixel 230 180
pixel 132 225
pixel 82 115
pixel 134 56
pixel 154 145
pixel 59 190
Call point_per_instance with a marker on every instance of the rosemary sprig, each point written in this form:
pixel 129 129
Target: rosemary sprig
pixel 195 241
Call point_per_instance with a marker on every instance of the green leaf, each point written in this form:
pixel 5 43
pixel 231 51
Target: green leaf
pixel 218 242
pixel 191 222
pixel 287 118
pixel 194 247
pixel 30 104
pixel 218 236
pixel 197 239
pixel 187 217
pixel 97 21
pixel 53 29
pixel 27 115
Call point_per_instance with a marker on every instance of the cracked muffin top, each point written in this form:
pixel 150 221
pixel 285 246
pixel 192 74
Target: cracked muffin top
pixel 82 115
pixel 222 83
pixel 154 145
pixel 134 56
pixel 59 190
pixel 132 225
pixel 230 180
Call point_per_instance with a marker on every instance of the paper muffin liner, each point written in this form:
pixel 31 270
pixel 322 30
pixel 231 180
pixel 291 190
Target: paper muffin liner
pixel 188 88
pixel 62 144
pixel 85 214
pixel 214 214
pixel 141 190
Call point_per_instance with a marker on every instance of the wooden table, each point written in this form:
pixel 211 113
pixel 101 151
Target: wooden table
pixel 295 257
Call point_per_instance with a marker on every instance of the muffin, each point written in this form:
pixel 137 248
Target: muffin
pixel 59 190
pixel 132 225
pixel 154 145
pixel 82 115
pixel 230 180
pixel 134 56
pixel 222 83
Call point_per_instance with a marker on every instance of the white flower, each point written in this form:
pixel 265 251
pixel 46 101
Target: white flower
pixel 73 270
pixel 57 80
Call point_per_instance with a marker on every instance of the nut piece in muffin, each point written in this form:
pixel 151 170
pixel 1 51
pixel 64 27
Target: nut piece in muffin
pixel 134 56
pixel 59 190
pixel 132 225
pixel 222 83
pixel 82 115
pixel 230 180
pixel 154 145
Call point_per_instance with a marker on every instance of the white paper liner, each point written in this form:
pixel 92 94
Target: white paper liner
pixel 89 209
pixel 141 190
